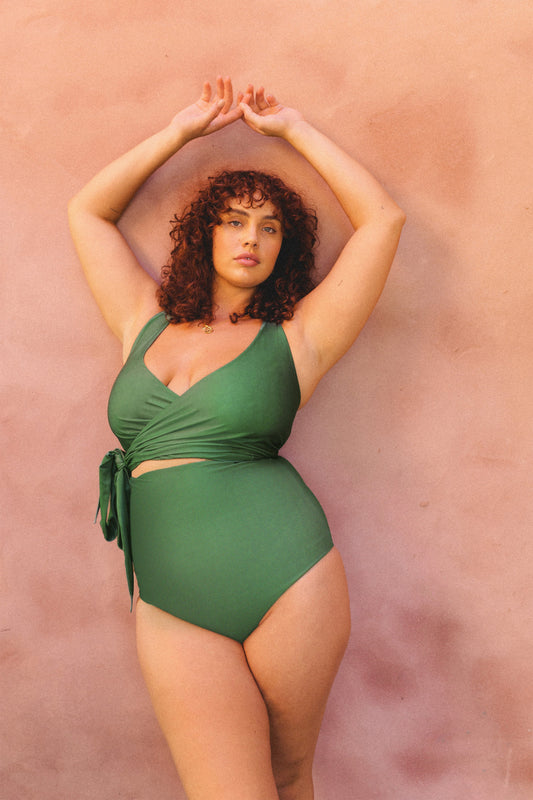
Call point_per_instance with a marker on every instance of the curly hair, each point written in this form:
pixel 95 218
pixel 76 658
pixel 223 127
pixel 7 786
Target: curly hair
pixel 185 293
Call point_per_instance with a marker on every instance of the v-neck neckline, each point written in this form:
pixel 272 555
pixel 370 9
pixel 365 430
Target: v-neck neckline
pixel 209 374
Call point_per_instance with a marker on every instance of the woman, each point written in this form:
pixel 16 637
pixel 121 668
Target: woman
pixel 243 614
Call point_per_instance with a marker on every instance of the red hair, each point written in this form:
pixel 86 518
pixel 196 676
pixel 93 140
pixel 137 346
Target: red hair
pixel 185 293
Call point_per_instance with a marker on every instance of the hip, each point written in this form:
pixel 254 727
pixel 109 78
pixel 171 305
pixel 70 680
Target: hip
pixel 226 493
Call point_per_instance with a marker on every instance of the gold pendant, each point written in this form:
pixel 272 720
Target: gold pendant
pixel 207 328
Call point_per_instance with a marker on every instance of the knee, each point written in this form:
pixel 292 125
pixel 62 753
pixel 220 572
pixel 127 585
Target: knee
pixel 294 780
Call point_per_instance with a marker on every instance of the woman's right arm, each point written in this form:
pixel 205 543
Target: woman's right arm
pixel 125 293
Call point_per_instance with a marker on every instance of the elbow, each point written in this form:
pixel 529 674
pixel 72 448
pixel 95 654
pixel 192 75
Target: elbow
pixel 397 216
pixel 392 223
pixel 395 221
pixel 75 199
pixel 402 217
pixel 79 210
pixel 81 206
pixel 73 208
pixel 387 217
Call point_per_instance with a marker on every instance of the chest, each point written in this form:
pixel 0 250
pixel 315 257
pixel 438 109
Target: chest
pixel 252 397
pixel 185 354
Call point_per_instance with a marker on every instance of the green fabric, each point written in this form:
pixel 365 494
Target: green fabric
pixel 242 411
pixel 114 506
pixel 216 543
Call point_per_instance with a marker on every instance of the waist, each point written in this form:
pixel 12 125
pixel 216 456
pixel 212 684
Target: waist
pixel 147 449
pixel 150 466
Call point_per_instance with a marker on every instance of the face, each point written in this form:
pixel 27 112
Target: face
pixel 246 244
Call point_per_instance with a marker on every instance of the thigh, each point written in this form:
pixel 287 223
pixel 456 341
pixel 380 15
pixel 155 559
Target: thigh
pixel 294 655
pixel 209 708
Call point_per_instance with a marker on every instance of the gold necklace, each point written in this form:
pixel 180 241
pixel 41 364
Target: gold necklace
pixel 205 327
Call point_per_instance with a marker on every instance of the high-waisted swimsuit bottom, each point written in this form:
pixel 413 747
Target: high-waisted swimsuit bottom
pixel 214 542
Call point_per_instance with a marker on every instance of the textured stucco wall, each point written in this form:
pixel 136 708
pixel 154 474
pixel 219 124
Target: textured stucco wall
pixel 418 443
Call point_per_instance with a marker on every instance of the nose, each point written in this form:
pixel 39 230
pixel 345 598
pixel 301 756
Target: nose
pixel 250 237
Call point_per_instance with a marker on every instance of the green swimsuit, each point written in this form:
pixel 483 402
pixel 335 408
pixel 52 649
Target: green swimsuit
pixel 215 542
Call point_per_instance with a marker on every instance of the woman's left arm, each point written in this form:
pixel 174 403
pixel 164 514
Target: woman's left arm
pixel 332 315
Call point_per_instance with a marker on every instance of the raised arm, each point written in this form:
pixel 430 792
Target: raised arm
pixel 123 290
pixel 332 315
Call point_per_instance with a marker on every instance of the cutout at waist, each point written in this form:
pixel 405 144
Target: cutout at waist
pixel 150 466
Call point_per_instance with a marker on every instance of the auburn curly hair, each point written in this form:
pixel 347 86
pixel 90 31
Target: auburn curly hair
pixel 185 293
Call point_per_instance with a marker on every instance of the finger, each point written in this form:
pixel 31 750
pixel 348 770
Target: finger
pixel 206 92
pixel 248 113
pixel 228 95
pixel 252 119
pixel 249 94
pixel 213 111
pixel 233 114
pixel 220 87
pixel 247 97
pixel 271 100
pixel 260 99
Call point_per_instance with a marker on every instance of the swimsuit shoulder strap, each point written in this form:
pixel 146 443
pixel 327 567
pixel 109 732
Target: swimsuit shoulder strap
pixel 271 351
pixel 148 334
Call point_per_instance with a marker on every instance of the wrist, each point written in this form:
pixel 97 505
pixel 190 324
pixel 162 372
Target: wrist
pixel 297 130
pixel 175 136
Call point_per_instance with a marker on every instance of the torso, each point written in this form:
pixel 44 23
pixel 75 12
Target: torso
pixel 184 354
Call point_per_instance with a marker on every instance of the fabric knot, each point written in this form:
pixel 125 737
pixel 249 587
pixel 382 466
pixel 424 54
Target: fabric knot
pixel 114 506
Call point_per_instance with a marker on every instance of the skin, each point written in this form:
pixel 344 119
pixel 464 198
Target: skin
pixel 242 721
pixel 244 229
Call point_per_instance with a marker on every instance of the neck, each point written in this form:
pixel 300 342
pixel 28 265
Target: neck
pixel 230 301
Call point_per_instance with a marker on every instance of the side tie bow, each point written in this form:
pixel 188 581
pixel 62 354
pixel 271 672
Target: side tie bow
pixel 114 506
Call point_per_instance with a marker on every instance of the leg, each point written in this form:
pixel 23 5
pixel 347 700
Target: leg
pixel 294 655
pixel 209 708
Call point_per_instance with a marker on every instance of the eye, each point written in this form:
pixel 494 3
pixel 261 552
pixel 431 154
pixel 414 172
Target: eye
pixel 235 223
pixel 268 229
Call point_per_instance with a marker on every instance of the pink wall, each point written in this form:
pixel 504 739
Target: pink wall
pixel 418 443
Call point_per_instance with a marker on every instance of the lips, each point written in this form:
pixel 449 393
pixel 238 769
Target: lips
pixel 247 259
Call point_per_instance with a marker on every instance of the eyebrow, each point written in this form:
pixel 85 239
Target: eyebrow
pixel 232 210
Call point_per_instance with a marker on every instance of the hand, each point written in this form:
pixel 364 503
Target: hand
pixel 212 112
pixel 264 114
